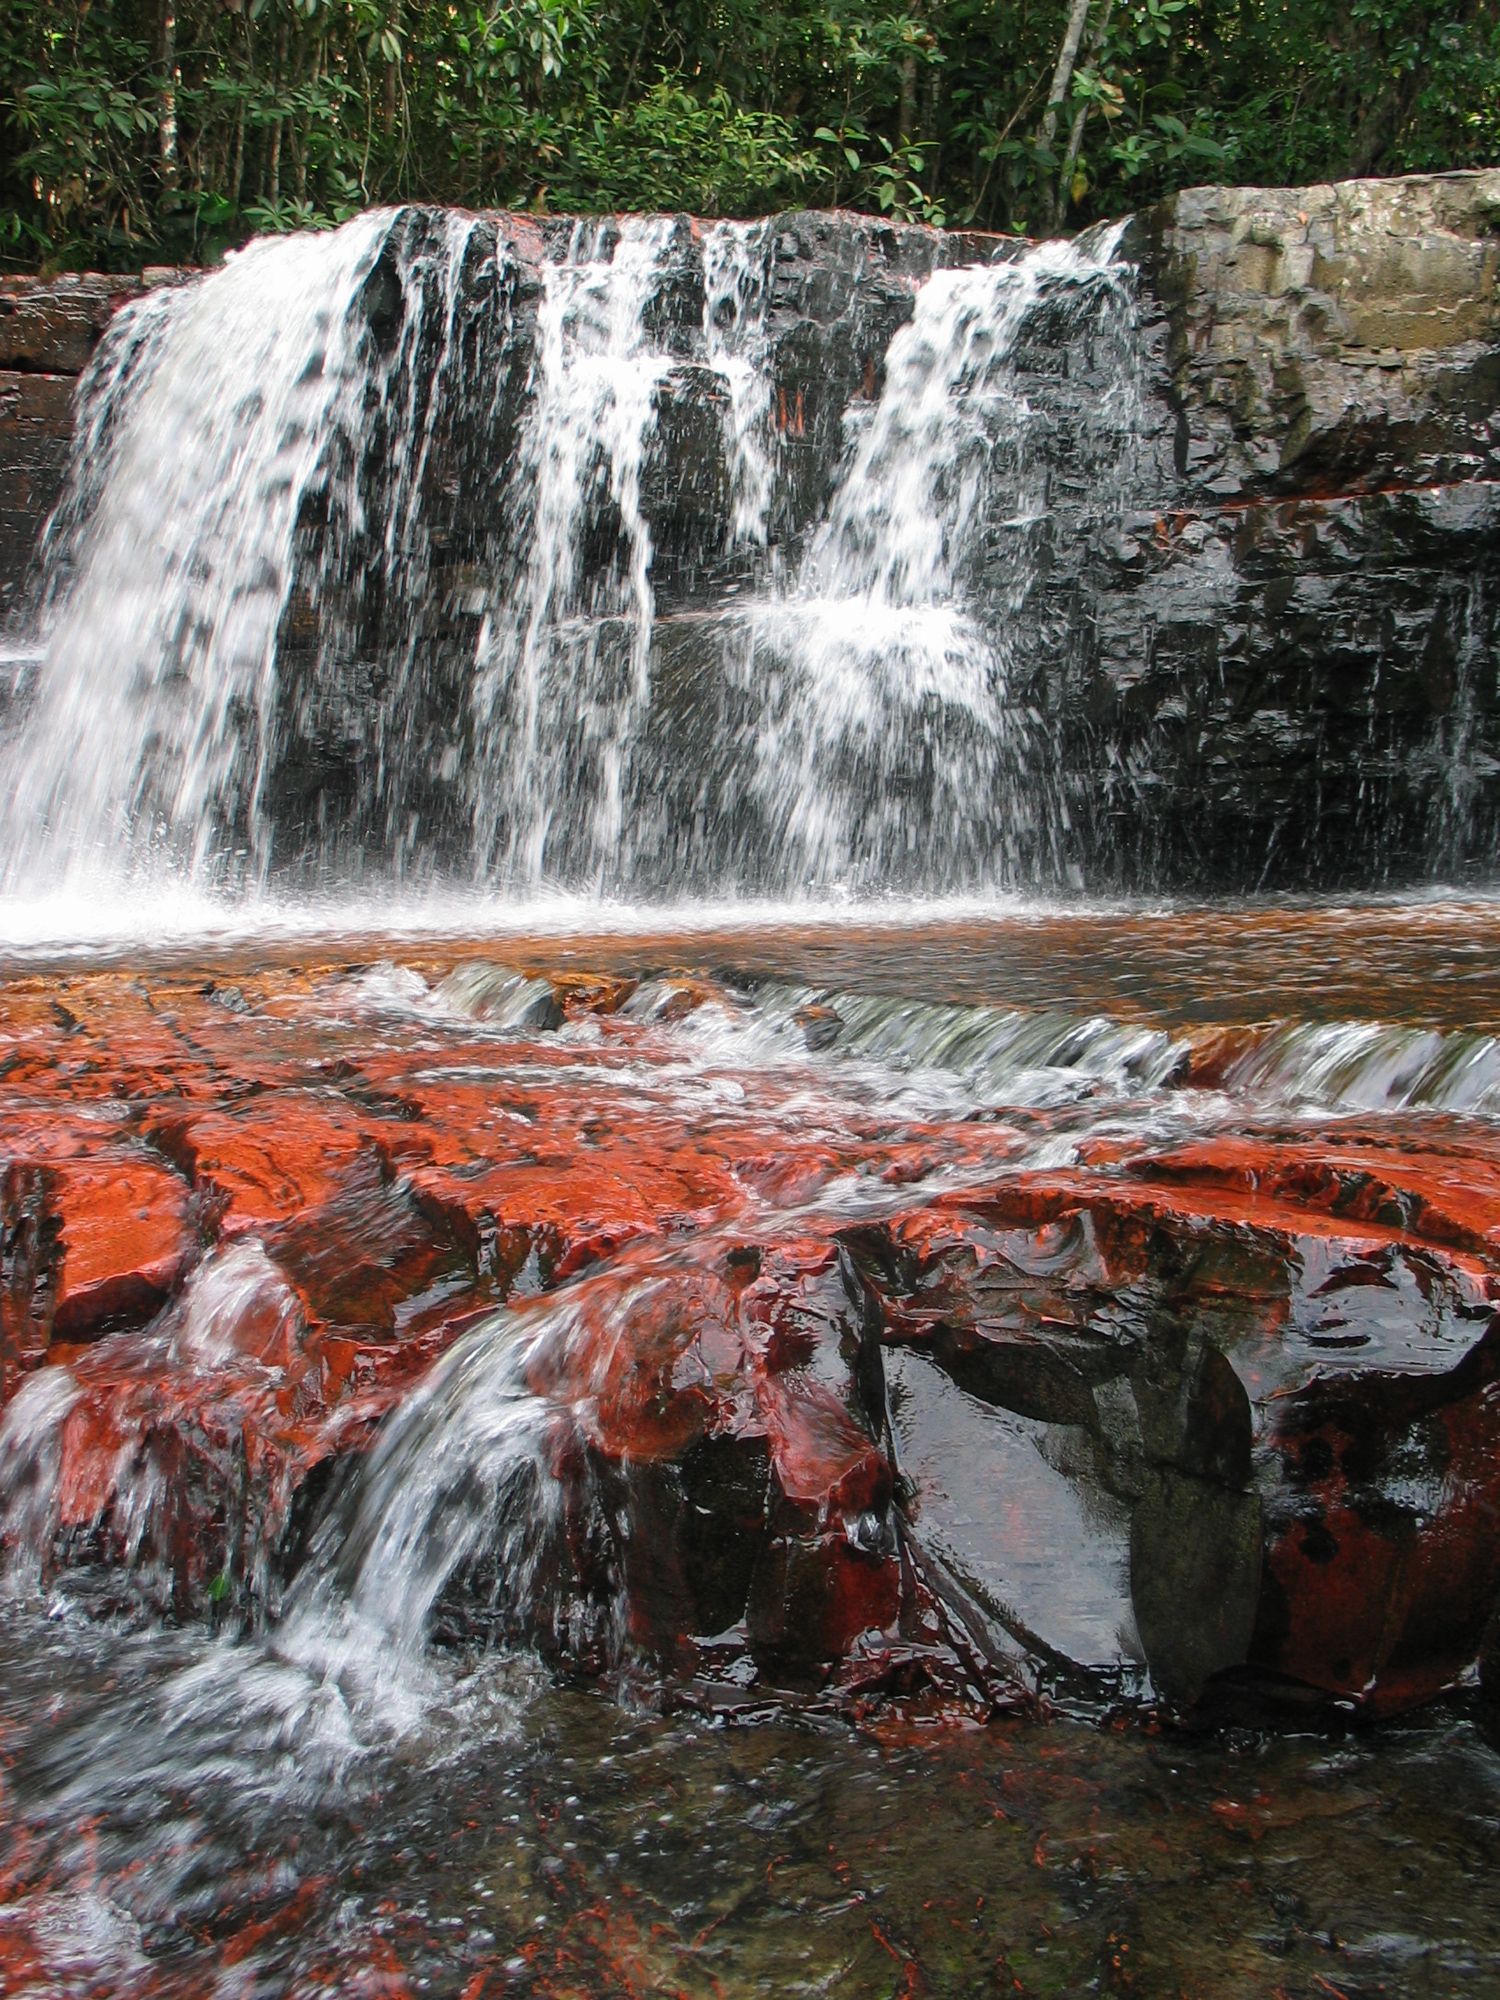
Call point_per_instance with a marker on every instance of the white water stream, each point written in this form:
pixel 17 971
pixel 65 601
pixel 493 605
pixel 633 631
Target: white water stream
pixel 244 662
pixel 212 417
pixel 364 497
pixel 553 698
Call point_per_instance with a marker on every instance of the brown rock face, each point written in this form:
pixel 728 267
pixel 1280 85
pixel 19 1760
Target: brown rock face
pixel 1346 334
pixel 48 330
pixel 835 1393
pixel 50 326
pixel 36 431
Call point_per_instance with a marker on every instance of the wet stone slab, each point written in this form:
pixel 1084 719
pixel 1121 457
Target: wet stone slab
pixel 843 1374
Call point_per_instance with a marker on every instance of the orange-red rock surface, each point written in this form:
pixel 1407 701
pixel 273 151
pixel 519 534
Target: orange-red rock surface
pixel 870 1393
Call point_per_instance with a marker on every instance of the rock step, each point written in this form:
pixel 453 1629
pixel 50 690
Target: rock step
pixel 854 1398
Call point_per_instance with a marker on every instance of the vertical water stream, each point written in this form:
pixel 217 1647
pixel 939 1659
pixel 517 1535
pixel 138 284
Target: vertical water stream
pixel 562 673
pixel 895 742
pixel 213 418
pixel 446 547
pixel 253 668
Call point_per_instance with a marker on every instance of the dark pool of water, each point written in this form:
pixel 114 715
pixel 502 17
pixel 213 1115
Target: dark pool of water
pixel 573 1845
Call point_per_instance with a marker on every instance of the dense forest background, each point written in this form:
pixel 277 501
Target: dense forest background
pixel 148 130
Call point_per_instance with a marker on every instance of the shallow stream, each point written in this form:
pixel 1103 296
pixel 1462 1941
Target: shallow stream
pixel 532 830
pixel 285 1812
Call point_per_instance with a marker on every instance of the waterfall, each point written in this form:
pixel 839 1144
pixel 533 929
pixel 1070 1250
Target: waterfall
pixel 897 746
pixel 735 259
pixel 423 550
pixel 563 667
pixel 157 690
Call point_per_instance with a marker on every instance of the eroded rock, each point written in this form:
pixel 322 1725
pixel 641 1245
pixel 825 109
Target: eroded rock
pixel 1241 554
pixel 1253 1404
pixel 1348 334
pixel 836 1396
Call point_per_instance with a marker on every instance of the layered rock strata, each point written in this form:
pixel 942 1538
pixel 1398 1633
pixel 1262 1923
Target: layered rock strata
pixel 840 1392
pixel 1267 657
pixel 1254 630
pixel 1297 651
pixel 49 328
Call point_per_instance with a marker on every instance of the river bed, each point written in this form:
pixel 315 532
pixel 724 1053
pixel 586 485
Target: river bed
pixel 204 1805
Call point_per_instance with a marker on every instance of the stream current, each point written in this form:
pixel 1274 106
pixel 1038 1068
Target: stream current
pixel 317 1799
pixel 328 1803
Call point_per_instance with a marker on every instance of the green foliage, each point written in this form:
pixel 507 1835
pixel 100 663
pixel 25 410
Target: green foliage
pixel 135 130
pixel 673 150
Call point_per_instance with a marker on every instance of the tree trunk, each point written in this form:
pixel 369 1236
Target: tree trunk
pixel 1062 76
pixel 1057 97
pixel 1080 119
pixel 906 119
pixel 299 148
pixel 932 104
pixel 237 162
pixel 393 76
pixel 166 105
pixel 277 128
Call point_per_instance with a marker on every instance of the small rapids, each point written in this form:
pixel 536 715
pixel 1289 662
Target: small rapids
pixel 1369 1066
pixel 303 1715
pixel 997 1055
pixel 422 1703
pixel 581 1279
pixel 462 1485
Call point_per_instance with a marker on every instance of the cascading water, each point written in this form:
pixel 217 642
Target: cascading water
pixel 562 676
pixel 215 417
pixel 889 741
pixel 934 1312
pixel 736 264
pixel 828 1357
pixel 361 573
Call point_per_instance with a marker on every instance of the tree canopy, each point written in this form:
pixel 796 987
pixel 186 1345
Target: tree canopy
pixel 148 130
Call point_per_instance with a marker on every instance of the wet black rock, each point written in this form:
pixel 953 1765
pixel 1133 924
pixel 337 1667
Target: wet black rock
pixel 1286 673
pixel 1241 560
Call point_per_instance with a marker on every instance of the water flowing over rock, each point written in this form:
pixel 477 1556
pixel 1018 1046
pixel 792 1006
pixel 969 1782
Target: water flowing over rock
pixel 668 558
pixel 769 1339
pixel 592 598
pixel 421 1339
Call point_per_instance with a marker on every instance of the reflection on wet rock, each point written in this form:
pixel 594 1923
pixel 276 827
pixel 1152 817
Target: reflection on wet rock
pixel 746 1338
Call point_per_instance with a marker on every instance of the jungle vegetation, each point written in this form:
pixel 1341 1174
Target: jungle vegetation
pixel 139 131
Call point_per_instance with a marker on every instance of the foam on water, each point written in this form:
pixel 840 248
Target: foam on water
pixel 139 915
